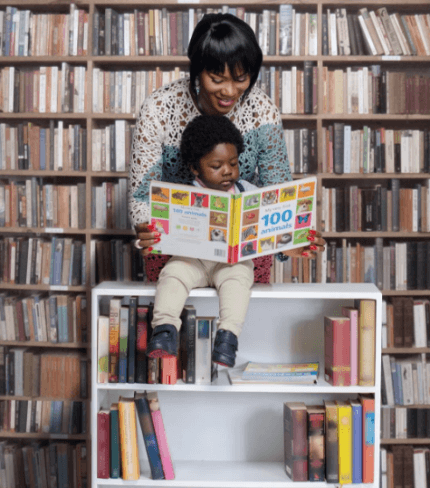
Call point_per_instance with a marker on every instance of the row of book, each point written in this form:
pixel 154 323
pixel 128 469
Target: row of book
pixel 123 334
pixel 302 150
pixel 405 381
pixel 161 32
pixel 334 442
pixel 46 89
pixel 117 446
pixel 26 33
pixel 58 146
pixel 48 464
pixel 43 416
pixel 374 150
pixel 396 266
pixel 33 203
pixel 404 466
pixel 59 261
pixel 56 318
pixel 109 209
pixel 294 270
pixel 349 345
pixel 406 323
pixel 294 90
pixel 404 423
pixel 368 90
pixel 51 374
pixel 116 260
pixel 354 209
pixel 375 33
pixel 111 146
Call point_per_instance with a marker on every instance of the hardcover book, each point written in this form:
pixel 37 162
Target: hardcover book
pixel 316 455
pixel 368 404
pixel 344 418
pixel 128 439
pixel 337 351
pixel 103 444
pixel 225 227
pixel 331 442
pixel 296 441
pixel 149 437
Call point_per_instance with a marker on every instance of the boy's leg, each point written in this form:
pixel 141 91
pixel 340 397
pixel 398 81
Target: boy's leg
pixel 178 277
pixel 233 283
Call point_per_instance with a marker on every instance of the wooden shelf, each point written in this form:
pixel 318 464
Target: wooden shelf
pixel 373 235
pixel 8 286
pixel 39 398
pixel 406 350
pixel 59 345
pixel 388 442
pixel 42 435
pixel 373 176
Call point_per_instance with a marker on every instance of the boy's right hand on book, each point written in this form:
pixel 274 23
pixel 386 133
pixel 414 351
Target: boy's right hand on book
pixel 146 236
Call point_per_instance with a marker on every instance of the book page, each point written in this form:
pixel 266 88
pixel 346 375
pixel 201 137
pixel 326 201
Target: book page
pixel 193 221
pixel 276 218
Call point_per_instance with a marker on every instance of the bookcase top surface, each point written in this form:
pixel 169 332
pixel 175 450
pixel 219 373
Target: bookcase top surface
pixel 281 290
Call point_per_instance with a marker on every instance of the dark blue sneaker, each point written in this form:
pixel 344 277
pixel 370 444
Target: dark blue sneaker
pixel 164 342
pixel 225 348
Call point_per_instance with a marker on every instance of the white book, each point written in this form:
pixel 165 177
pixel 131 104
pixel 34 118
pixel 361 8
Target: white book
pixel 333 34
pixel 378 27
pixel 74 206
pixel 365 71
pixel 126 34
pixel 11 80
pixel 293 32
pixel 297 34
pixel 285 28
pixel 313 35
pixel 29 260
pixel 389 150
pixel 120 145
pixel 203 342
pixel 54 89
pixel 423 33
pixel 347 149
pixel 103 348
pixel 293 89
pixel 60 146
pixel 360 87
pixel 95 89
pixel 39 261
pixel 414 210
pixel 420 331
pixel 367 35
pixel 399 33
pixel 75 32
pixel 128 92
pixel 28 16
pixel 420 475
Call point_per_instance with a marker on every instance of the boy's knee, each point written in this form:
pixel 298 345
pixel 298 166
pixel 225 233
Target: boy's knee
pixel 183 271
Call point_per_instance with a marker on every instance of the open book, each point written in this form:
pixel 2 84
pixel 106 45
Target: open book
pixel 221 226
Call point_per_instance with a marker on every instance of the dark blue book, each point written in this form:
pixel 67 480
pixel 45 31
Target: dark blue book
pixel 149 438
pixel 58 260
pixel 55 420
pixel 114 461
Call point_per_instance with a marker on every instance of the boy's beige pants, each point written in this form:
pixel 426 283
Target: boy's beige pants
pixel 180 275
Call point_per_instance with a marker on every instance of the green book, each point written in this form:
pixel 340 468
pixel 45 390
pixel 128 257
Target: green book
pixel 115 463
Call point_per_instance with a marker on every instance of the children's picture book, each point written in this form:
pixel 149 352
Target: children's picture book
pixel 276 373
pixel 226 227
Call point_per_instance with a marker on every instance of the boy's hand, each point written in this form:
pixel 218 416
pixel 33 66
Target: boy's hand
pixel 316 242
pixel 146 237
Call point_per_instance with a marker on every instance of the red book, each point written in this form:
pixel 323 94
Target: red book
pixel 368 404
pixel 169 371
pixel 316 456
pixel 337 351
pixel 103 435
pixel 296 441
pixel 141 344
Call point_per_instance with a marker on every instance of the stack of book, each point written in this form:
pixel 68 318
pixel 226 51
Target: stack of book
pixel 266 373
pixel 117 439
pixel 349 345
pixel 405 423
pixel 123 334
pixel 334 442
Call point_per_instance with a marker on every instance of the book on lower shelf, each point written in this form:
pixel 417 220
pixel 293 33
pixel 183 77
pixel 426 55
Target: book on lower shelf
pixel 220 226
pixel 274 373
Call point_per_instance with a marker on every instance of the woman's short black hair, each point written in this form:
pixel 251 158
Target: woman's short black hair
pixel 223 39
pixel 203 133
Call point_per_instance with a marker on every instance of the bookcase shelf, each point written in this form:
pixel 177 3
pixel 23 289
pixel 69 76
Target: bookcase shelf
pixel 406 350
pixel 372 235
pixel 38 435
pixel 201 445
pixel 393 442
pixel 58 345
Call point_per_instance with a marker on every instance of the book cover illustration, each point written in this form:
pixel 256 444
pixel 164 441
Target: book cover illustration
pixel 225 227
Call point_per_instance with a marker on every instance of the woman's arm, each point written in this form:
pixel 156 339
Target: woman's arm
pixel 146 161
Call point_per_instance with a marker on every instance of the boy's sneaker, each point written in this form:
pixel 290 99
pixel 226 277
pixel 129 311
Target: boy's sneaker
pixel 225 348
pixel 164 342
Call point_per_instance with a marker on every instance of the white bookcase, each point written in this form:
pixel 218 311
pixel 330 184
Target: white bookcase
pixel 224 436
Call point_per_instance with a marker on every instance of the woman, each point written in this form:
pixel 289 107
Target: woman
pixel 225 60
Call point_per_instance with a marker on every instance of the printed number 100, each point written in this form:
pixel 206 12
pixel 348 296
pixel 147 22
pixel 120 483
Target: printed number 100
pixel 275 217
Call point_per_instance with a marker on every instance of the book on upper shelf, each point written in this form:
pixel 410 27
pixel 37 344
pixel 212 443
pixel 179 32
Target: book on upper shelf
pixel 225 227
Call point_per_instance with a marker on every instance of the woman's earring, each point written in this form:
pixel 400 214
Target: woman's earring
pixel 197 86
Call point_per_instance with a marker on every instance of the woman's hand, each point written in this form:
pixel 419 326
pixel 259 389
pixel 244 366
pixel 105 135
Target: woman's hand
pixel 146 237
pixel 316 245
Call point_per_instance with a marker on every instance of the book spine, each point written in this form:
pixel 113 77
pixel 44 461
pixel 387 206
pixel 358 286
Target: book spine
pixel 357 443
pixel 131 366
pixel 149 438
pixel 102 445
pixel 203 350
pixel 114 444
pixel 114 320
pixel 123 344
pixel 128 440
pixel 345 444
pixel 316 461
pixel 188 344
pixel 331 443
pixel 368 439
pixel 141 373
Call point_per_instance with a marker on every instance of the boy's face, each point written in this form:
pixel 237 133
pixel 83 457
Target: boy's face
pixel 219 169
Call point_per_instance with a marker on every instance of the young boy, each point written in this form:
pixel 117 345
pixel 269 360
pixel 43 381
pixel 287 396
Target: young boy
pixel 210 147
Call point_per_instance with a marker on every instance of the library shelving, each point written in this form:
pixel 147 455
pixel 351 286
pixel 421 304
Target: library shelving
pixel 232 435
pixel 91 121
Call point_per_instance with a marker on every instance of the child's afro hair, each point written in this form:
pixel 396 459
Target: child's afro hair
pixel 205 132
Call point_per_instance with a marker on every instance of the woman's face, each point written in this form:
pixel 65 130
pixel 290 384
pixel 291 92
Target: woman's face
pixel 220 92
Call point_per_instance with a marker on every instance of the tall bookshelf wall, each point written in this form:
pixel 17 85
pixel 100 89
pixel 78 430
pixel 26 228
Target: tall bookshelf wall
pixel 90 119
